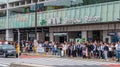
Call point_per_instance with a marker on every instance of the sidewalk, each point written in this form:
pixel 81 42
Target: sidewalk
pixel 43 55
pixel 35 55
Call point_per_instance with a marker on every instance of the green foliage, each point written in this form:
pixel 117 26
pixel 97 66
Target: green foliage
pixel 82 40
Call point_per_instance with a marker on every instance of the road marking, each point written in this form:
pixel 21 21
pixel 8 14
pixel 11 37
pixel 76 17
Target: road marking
pixel 62 61
pixel 53 61
pixel 3 65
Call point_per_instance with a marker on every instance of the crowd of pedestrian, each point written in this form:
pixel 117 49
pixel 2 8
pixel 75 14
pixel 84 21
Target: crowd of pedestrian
pixel 96 49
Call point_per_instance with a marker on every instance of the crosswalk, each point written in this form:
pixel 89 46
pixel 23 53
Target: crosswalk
pixel 63 61
pixel 2 65
pixel 53 61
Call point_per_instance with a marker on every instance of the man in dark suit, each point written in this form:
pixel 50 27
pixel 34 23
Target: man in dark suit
pixel 74 50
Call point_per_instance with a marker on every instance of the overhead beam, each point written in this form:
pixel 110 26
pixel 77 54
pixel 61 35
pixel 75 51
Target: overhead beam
pixel 27 5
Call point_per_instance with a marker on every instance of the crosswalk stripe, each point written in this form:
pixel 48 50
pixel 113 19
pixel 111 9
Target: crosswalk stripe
pixel 55 61
pixel 62 61
pixel 3 65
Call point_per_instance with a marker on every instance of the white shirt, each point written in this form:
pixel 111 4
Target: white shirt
pixel 117 46
pixel 0 42
pixel 64 47
pixel 55 46
pixel 110 48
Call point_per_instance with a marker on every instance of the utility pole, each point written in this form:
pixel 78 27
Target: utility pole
pixel 35 39
pixel 18 45
pixel 7 20
pixel 36 19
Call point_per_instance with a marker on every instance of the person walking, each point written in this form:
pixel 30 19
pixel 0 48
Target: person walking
pixel 54 49
pixel 74 49
pixel 60 50
pixel 64 49
pixel 84 51
pixel 69 50
pixel 117 51
pixel 79 49
pixel 101 50
pixel 106 49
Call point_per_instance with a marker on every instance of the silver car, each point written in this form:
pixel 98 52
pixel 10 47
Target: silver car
pixel 7 50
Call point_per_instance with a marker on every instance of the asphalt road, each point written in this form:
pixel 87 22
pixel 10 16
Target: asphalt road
pixel 56 62
pixel 74 66
pixel 82 66
pixel 1 65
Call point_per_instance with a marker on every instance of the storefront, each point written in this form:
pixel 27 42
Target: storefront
pixel 91 22
pixel 90 32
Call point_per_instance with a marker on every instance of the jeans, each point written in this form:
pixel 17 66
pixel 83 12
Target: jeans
pixel 54 52
pixel 60 52
pixel 106 55
pixel 117 54
pixel 101 54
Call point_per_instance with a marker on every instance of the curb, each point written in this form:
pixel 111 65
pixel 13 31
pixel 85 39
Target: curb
pixel 26 65
pixel 52 56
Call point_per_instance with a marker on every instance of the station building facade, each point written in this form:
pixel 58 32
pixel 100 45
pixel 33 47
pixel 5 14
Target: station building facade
pixel 91 22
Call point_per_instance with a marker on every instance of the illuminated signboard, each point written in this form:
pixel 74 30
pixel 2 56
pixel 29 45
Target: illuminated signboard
pixel 92 18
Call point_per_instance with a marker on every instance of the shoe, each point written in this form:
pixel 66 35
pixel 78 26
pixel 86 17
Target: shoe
pixel 117 60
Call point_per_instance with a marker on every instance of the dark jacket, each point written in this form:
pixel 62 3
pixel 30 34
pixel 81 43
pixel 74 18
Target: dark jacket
pixel 106 48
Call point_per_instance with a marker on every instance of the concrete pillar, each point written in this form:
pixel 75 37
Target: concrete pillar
pixel 27 36
pixel 37 36
pixel 2 36
pixel 25 2
pixel 31 1
pixel 56 38
pixel 9 35
pixel 42 36
pixel 51 36
pixel 84 35
pixel 105 37
pixel 67 37
pixel 90 34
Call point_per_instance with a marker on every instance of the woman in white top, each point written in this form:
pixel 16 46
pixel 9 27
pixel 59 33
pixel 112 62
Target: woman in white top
pixel 64 49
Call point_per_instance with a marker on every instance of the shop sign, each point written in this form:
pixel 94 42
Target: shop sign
pixel 92 18
pixel 54 21
pixel 21 18
pixel 60 34
pixel 111 33
pixel 72 20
